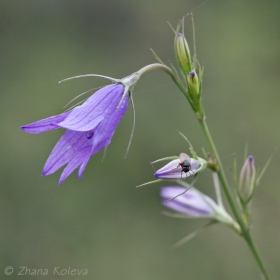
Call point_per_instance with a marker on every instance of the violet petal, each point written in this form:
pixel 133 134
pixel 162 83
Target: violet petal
pixel 97 107
pixel 90 128
pixel 106 129
pixel 65 150
pixel 191 203
pixel 80 156
pixel 45 124
pixel 172 171
pixel 83 166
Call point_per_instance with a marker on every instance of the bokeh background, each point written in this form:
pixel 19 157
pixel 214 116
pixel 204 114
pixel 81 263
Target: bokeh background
pixel 103 223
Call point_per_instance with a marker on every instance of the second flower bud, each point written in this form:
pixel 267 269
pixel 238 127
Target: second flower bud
pixel 182 52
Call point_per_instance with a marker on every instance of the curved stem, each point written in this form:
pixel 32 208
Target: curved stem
pixel 231 201
pixel 174 76
pixel 166 69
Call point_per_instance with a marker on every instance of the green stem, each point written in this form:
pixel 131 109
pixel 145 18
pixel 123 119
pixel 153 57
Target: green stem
pixel 166 69
pixel 174 76
pixel 231 201
pixel 221 173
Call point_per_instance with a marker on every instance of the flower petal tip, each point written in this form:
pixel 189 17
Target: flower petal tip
pixel 26 128
pixel 156 175
pixel 61 179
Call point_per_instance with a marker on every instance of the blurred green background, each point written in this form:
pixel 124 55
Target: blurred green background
pixel 103 223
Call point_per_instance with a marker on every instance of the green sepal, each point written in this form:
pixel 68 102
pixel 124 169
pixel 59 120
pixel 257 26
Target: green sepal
pixel 156 56
pixel 166 158
pixel 194 155
pixel 149 183
pixel 265 167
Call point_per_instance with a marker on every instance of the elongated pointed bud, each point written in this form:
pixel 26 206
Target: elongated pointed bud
pixel 247 179
pixel 183 53
pixel 194 204
pixel 193 84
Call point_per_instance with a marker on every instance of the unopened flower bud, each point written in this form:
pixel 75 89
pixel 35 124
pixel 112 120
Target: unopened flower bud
pixel 247 179
pixel 193 84
pixel 183 53
pixel 194 204
pixel 175 170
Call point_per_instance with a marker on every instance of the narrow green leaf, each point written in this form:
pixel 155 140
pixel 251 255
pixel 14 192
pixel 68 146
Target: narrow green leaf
pixel 175 32
pixel 156 57
pixel 191 235
pixel 265 167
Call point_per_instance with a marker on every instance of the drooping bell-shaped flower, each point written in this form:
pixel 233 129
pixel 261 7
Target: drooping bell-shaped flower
pixel 181 168
pixel 90 127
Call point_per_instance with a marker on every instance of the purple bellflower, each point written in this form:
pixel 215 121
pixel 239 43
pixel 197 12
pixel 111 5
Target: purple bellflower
pixel 191 203
pixel 194 204
pixel 173 170
pixel 90 128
